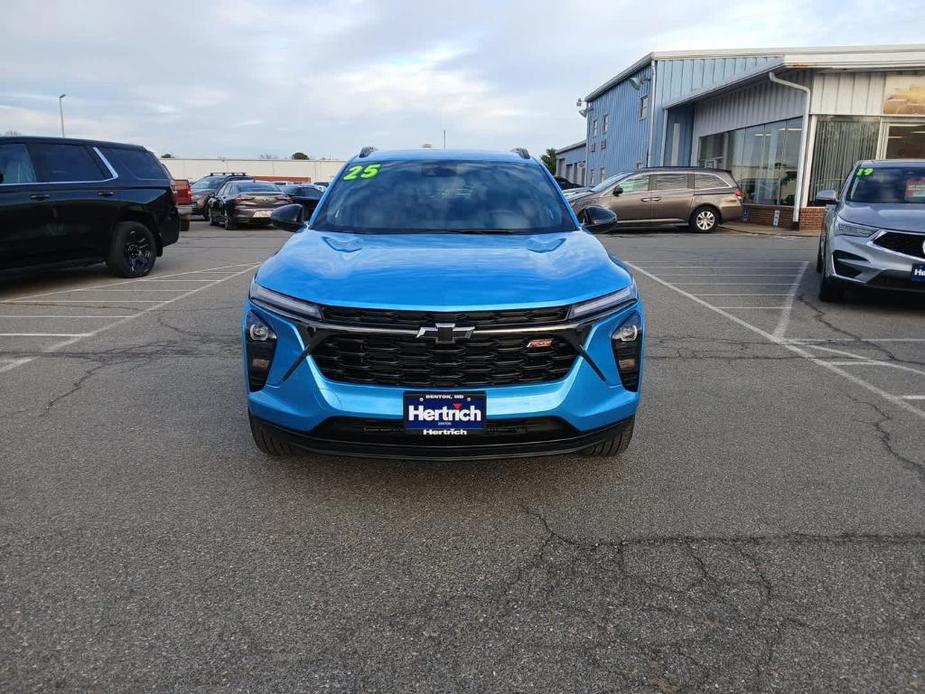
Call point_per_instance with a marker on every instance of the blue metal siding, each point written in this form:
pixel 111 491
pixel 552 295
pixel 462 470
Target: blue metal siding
pixel 627 138
pixel 680 77
pixel 568 161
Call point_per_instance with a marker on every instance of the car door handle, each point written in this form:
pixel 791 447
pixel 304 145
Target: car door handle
pixel 105 193
pixel 39 196
pixel 654 199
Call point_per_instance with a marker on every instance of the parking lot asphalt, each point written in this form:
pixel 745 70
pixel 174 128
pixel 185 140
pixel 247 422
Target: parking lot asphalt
pixel 764 532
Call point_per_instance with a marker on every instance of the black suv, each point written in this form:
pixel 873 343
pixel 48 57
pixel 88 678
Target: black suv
pixel 64 199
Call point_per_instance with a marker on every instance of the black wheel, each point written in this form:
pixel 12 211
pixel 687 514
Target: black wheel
pixel 132 251
pixel 267 442
pixel 819 256
pixel 229 222
pixel 704 220
pixel 615 445
pixel 211 218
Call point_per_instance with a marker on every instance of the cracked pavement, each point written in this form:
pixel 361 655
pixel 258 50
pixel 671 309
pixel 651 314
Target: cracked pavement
pixel 764 532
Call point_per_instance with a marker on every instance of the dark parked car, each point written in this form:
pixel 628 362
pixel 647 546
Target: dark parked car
pixel 566 184
pixel 306 195
pixel 245 202
pixel 64 200
pixel 662 196
pixel 205 188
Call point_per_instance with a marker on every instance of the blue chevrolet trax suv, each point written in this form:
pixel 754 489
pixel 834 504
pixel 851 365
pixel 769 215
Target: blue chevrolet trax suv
pixel 443 304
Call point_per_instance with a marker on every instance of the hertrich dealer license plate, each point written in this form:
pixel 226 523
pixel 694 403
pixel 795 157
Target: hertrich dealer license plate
pixel 444 414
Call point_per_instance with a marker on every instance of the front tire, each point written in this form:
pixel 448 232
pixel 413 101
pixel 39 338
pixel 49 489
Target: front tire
pixel 704 220
pixel 615 445
pixel 133 251
pixel 267 442
pixel 229 222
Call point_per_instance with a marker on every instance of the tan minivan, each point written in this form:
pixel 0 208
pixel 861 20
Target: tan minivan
pixel 667 196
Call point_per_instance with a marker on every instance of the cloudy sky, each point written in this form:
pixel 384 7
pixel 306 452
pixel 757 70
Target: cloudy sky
pixel 244 78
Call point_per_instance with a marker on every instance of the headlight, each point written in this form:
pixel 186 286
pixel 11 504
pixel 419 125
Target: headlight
pixel 624 297
pixel 274 301
pixel 846 229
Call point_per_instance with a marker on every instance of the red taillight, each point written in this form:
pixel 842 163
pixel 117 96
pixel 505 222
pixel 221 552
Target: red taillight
pixel 244 198
pixel 739 195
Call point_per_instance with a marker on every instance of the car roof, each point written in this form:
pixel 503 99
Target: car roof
pixel 875 163
pixel 69 141
pixel 426 154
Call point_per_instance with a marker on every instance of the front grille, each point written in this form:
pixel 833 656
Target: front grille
pixel 908 244
pixel 393 360
pixel 390 431
pixel 415 319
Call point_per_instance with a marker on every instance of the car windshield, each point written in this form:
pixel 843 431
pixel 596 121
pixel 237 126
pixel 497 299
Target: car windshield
pixel 258 188
pixel 607 182
pixel 208 183
pixel 899 184
pixel 444 196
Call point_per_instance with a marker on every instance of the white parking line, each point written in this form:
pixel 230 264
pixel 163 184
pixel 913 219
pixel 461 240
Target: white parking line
pixel 12 315
pixel 10 364
pixel 807 340
pixel 755 308
pixel 752 294
pixel 788 345
pixel 211 270
pixel 784 320
pixel 55 302
pixel 44 334
pixel 70 341
pixel 145 291
pixel 912 397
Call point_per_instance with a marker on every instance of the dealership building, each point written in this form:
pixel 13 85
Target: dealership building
pixel 787 122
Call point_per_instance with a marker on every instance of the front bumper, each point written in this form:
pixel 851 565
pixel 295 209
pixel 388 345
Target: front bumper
pixel 385 439
pixel 860 261
pixel 586 407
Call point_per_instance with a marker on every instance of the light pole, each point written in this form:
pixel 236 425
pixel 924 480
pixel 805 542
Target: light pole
pixel 61 111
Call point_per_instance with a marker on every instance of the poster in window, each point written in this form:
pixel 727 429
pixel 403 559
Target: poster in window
pixel 904 95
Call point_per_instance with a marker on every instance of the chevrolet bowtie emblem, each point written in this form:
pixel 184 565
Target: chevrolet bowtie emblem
pixel 445 333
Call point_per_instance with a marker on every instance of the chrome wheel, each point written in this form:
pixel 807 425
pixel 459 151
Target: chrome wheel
pixel 137 251
pixel 706 220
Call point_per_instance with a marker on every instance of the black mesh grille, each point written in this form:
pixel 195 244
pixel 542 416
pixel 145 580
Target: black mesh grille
pixel 892 279
pixel 909 244
pixel 392 360
pixel 384 431
pixel 416 319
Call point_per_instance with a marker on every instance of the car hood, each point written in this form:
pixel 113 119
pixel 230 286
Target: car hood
pixel 442 272
pixel 898 216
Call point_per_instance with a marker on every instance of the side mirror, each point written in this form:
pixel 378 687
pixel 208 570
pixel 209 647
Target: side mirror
pixel 827 197
pixel 594 218
pixel 617 190
pixel 288 217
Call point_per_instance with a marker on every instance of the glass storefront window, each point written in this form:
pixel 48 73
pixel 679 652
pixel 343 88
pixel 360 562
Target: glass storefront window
pixel 763 159
pixel 905 141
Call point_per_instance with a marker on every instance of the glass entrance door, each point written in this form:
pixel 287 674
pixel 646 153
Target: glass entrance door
pixel 904 140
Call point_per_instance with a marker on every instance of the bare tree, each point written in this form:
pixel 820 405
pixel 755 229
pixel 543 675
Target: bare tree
pixel 268 156
pixel 11 133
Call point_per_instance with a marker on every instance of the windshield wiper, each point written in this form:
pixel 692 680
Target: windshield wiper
pixel 475 230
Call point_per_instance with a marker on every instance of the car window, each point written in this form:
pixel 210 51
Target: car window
pixel 444 196
pixel 898 184
pixel 670 182
pixel 709 181
pixel 608 182
pixel 228 189
pixel 207 183
pixel 138 162
pixel 258 187
pixel 635 184
pixel 62 163
pixel 15 164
